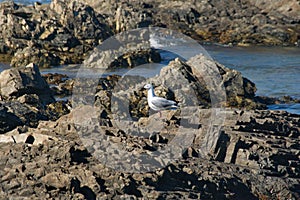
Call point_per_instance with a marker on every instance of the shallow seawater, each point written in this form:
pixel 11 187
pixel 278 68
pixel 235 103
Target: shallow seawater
pixel 274 70
pixel 27 2
pixel 3 66
pixel 291 108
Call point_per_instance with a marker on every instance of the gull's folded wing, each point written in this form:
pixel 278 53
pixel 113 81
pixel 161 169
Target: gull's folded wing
pixel 162 103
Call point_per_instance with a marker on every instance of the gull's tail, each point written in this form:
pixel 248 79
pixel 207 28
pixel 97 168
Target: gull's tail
pixel 173 107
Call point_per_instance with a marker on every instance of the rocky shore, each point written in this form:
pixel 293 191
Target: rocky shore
pixel 101 140
pixel 48 150
pixel 64 32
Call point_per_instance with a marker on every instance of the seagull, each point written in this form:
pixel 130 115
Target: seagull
pixel 159 103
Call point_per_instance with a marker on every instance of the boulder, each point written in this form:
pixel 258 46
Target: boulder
pixel 16 114
pixel 26 99
pixel 193 87
pixel 254 152
pixel 17 82
pixel 111 59
pixel 133 59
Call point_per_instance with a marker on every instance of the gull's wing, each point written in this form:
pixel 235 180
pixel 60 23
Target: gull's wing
pixel 162 102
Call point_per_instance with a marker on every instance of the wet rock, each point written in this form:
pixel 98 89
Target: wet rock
pixel 255 154
pixel 273 100
pixel 136 59
pixel 57 109
pixel 27 55
pixel 55 78
pixel 60 84
pixel 48 37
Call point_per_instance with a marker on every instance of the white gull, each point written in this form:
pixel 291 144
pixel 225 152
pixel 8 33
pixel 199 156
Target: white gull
pixel 159 103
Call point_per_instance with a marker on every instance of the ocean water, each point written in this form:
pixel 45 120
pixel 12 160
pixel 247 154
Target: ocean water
pixel 27 2
pixel 274 70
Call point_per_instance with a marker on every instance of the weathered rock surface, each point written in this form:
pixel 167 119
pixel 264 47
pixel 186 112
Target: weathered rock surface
pixel 111 59
pixel 230 22
pixel 27 55
pixel 289 9
pixel 180 81
pixel 63 32
pixel 51 34
pixel 15 83
pixel 256 157
pixel 26 99
pixel 254 154
pixel 138 58
pixel 60 84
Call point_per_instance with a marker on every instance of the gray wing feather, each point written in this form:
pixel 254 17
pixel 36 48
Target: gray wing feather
pixel 162 103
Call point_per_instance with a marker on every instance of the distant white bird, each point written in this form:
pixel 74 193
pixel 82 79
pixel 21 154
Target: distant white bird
pixel 158 103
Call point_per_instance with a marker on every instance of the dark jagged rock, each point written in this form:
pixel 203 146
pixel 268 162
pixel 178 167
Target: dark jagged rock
pixel 138 58
pixel 55 78
pixel 274 100
pixel 252 164
pixel 27 99
pixel 231 22
pixel 63 32
pixel 256 155
pixel 240 92
pixel 60 84
pixel 50 34
pixel 42 58
pixel 8 120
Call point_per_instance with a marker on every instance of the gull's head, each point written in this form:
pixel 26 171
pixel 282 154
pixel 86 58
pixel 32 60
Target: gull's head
pixel 148 86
